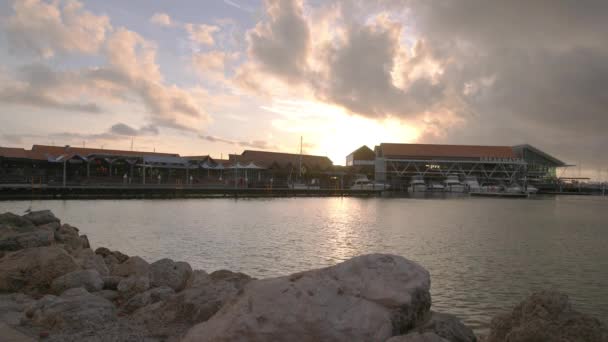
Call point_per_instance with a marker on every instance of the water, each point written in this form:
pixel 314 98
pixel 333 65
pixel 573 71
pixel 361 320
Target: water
pixel 484 255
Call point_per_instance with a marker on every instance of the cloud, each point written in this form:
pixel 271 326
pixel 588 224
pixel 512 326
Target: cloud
pixel 161 19
pixel 257 144
pixel 123 129
pixel 42 28
pixel 202 33
pixel 238 5
pixel 212 64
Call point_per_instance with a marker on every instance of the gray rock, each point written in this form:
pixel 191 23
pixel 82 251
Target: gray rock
pixel 12 307
pixel 13 240
pixel 104 252
pixel 133 266
pixel 15 221
pixel 367 298
pixel 110 295
pixel 132 285
pixel 546 316
pixel 87 259
pixel 68 236
pixel 74 310
pixel 166 272
pixel 148 297
pixel 447 326
pixel 32 270
pixel 41 217
pixel 418 337
pixel 88 279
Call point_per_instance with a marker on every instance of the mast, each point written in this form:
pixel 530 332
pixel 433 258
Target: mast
pixel 300 166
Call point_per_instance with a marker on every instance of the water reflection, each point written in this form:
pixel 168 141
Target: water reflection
pixel 483 255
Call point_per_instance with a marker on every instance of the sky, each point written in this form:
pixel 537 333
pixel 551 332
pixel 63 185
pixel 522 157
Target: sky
pixel 215 77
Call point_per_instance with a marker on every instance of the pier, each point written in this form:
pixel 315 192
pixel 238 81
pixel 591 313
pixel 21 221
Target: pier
pixel 33 192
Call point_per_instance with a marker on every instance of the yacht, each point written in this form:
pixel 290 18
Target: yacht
pixel 366 184
pixel 435 187
pixel 417 184
pixel 453 184
pixel 514 189
pixel 471 183
pixel 531 189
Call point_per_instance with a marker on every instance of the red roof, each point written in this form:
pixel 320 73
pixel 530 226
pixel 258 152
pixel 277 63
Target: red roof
pixel 60 150
pixel 266 159
pixel 20 153
pixel 418 151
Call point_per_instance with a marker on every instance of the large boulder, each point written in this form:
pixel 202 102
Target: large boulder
pixel 88 279
pixel 68 236
pixel 133 266
pixel 41 217
pixel 166 272
pixel 367 298
pixel 132 285
pixel 87 259
pixel 148 297
pixel 18 233
pixel 448 327
pixel 75 309
pixel 32 270
pixel 546 316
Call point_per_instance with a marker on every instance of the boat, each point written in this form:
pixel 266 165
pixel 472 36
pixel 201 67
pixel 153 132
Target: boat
pixel 453 184
pixel 471 183
pixel 514 189
pixel 417 184
pixel 435 187
pixel 366 184
pixel 531 189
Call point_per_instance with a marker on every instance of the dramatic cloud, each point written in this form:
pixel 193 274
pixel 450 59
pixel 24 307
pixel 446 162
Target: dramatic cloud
pixel 256 144
pixel 162 19
pixel 201 33
pixel 123 129
pixel 212 64
pixel 43 28
pixel 130 75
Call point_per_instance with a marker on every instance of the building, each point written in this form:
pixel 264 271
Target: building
pixel 396 164
pixel 361 157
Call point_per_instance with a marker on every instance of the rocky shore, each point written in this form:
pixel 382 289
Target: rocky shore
pixel 55 287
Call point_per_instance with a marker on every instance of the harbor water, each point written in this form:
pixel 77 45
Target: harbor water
pixel 484 255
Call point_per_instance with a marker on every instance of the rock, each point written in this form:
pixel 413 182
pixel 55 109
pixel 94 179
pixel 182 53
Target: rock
pixel 13 240
pixel 74 310
pixel 166 272
pixel 197 278
pixel 89 279
pixel 68 236
pixel 41 217
pixel 367 298
pixel 110 295
pixel 16 221
pixel 133 266
pixel 448 327
pixel 12 307
pixel 110 262
pixel 418 337
pixel 32 270
pixel 146 298
pixel 111 282
pixel 546 316
pixel 133 285
pixel 104 252
pixel 87 259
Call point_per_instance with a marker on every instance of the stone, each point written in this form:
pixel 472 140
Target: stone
pixel 32 270
pixel 13 240
pixel 133 266
pixel 110 295
pixel 166 272
pixel 41 217
pixel 448 327
pixel 418 337
pixel 16 221
pixel 12 307
pixel 68 236
pixel 133 285
pixel 367 298
pixel 111 282
pixel 546 316
pixel 88 279
pixel 148 297
pixel 104 252
pixel 87 259
pixel 74 310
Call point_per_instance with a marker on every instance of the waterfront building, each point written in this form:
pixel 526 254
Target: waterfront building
pixel 398 164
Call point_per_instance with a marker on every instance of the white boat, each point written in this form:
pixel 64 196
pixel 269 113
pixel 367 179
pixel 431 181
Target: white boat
pixel 435 187
pixel 303 186
pixel 417 184
pixel 531 189
pixel 471 183
pixel 366 184
pixel 514 189
pixel 453 184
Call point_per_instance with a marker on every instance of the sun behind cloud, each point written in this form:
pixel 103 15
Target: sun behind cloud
pixel 332 131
